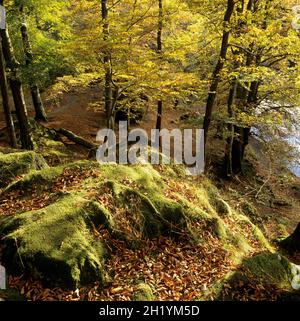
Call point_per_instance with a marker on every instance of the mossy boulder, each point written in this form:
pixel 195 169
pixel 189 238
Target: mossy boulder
pixel 55 244
pixel 41 180
pixel 137 215
pixel 15 164
pixel 265 270
pixel 269 268
pixel 143 292
pixel 221 207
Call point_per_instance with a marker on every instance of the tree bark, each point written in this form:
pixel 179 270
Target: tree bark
pixel 160 105
pixel 5 101
pixel 239 135
pixel 248 99
pixel 159 115
pixel 40 113
pixel 216 73
pixel 230 129
pixel 108 91
pixel 17 90
pixel 159 51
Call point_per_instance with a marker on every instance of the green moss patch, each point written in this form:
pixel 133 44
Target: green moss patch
pixel 143 292
pixel 269 271
pixel 15 164
pixel 136 215
pixel 56 243
pixel 270 268
pixel 41 180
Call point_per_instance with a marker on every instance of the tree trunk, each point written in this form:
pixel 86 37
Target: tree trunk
pixel 159 51
pixel 159 114
pixel 40 113
pixel 240 141
pixel 220 64
pixel 108 92
pixel 17 90
pixel 5 101
pixel 230 129
pixel 239 135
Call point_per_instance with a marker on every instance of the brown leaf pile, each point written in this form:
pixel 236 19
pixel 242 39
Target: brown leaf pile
pixel 174 269
pixel 18 201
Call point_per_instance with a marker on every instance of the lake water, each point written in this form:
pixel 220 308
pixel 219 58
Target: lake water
pixel 294 140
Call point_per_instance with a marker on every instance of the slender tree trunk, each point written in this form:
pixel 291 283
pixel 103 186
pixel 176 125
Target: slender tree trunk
pixel 220 64
pixel 17 90
pixel 159 114
pixel 108 92
pixel 5 101
pixel 239 135
pixel 230 129
pixel 240 141
pixel 159 51
pixel 40 113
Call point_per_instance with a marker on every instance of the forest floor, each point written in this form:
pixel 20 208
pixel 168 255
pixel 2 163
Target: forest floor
pixel 177 270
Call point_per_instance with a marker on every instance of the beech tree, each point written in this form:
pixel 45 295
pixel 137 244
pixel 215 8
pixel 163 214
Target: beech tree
pixel 5 101
pixel 216 76
pixel 159 52
pixel 16 87
pixel 257 58
pixel 123 51
pixel 40 113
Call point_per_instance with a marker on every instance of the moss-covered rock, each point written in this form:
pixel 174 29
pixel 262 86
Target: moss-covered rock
pixel 56 243
pixel 41 180
pixel 269 268
pixel 15 164
pixel 143 292
pixel 221 207
pixel 136 215
pixel 266 269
